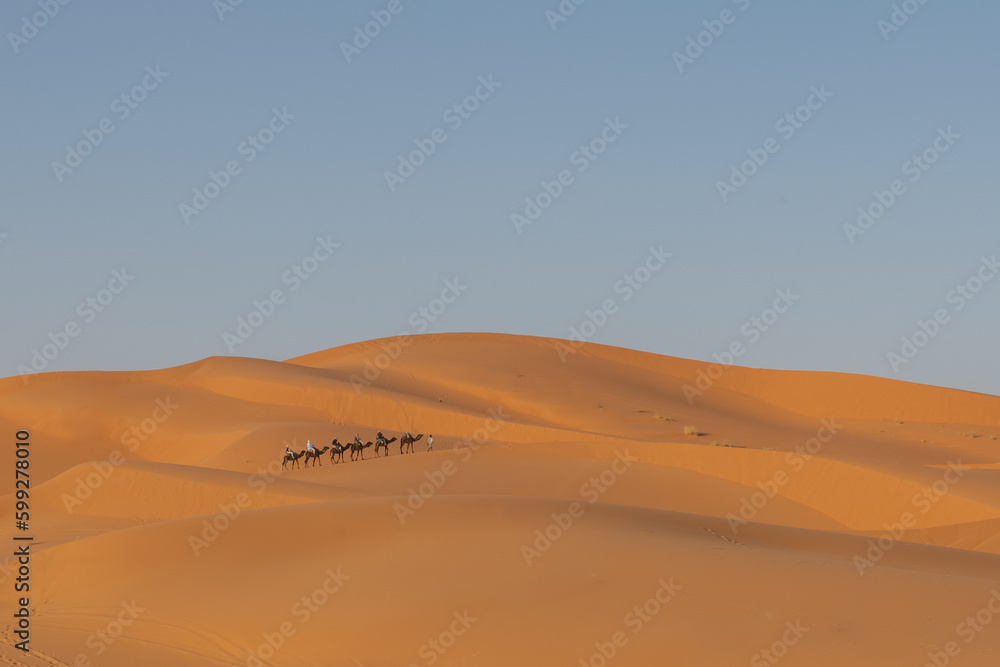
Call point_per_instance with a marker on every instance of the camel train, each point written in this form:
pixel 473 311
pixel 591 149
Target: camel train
pixel 356 447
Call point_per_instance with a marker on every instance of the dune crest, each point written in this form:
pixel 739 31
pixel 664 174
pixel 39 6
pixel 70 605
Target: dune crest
pixel 580 503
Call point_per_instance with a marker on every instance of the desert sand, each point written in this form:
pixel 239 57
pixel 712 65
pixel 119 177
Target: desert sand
pixel 564 517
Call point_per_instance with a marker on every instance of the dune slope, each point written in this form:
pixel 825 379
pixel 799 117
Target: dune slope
pixel 579 503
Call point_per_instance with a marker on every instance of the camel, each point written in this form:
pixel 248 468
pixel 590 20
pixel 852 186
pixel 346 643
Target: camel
pixel 337 451
pixel 313 456
pixel 293 457
pixel 407 441
pixel 358 448
pixel 382 442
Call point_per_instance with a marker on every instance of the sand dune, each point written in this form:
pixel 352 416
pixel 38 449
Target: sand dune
pixel 817 518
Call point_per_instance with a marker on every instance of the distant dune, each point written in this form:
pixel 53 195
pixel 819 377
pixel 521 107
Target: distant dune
pixel 582 505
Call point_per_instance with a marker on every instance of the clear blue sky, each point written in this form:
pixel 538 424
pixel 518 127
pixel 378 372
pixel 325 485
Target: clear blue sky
pixel 656 184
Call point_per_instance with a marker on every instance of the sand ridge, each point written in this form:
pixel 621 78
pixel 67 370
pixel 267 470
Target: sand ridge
pixel 834 518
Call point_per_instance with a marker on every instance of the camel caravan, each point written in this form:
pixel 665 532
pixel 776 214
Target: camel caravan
pixel 357 448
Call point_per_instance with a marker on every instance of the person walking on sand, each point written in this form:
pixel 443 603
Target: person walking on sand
pixel 430 443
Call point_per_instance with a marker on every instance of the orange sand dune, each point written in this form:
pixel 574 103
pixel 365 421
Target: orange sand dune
pixel 812 518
